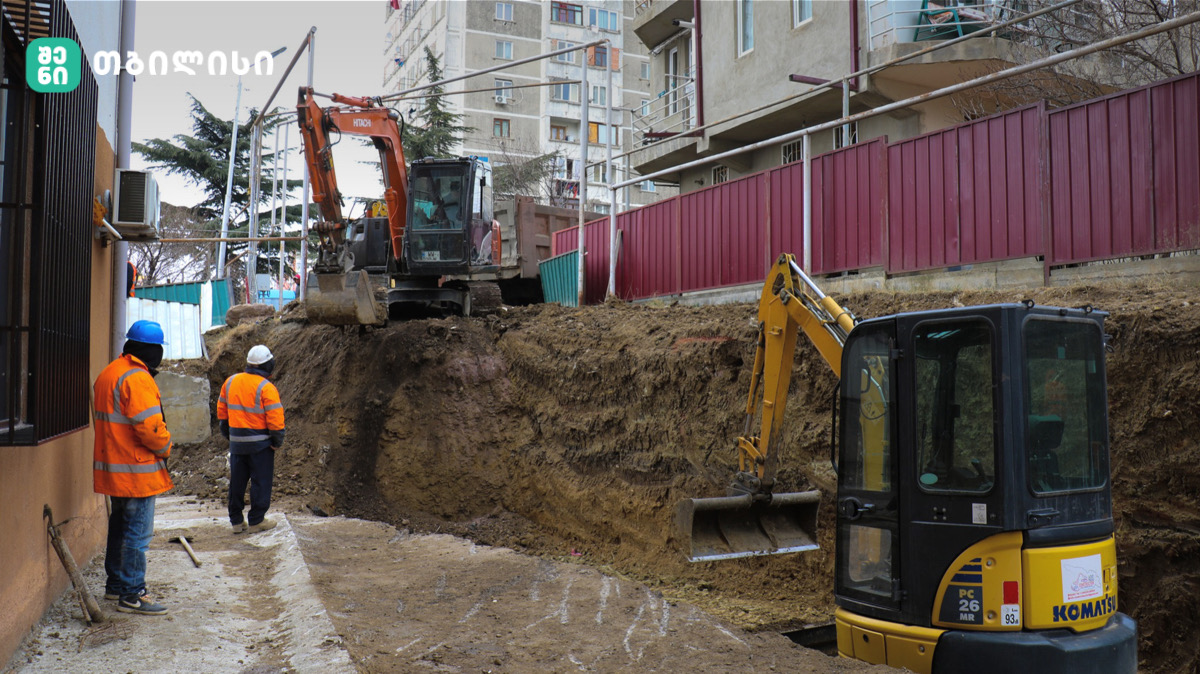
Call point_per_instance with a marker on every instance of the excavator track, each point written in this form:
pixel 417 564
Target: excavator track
pixel 484 298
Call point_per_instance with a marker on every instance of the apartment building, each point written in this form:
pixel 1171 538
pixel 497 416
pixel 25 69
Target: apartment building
pixel 713 60
pixel 533 109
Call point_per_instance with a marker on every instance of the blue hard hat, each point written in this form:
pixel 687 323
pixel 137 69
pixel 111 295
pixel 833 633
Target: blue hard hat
pixel 146 331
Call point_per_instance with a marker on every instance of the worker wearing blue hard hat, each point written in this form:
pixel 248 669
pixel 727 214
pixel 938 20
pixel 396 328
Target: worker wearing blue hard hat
pixel 130 462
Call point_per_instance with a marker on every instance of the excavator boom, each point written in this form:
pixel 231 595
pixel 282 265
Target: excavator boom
pixel 337 295
pixel 751 519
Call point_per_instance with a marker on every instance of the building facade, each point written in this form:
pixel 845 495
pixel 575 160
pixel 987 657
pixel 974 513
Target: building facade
pixel 714 61
pixel 56 299
pixel 534 109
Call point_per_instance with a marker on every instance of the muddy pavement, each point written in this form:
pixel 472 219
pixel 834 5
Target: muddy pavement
pixel 571 434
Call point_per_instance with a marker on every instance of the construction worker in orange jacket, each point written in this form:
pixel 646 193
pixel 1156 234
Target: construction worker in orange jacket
pixel 251 417
pixel 130 462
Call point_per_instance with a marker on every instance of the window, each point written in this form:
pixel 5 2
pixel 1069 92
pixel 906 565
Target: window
pixel 604 19
pixel 598 133
pixel 956 434
pixel 564 91
pixel 645 107
pixel 1064 387
pixel 504 91
pixel 793 151
pixel 599 57
pixel 561 12
pixel 645 70
pixel 598 174
pixel 840 131
pixel 500 128
pixel 801 11
pixel 568 57
pixel 504 50
pixel 720 174
pixel 44 370
pixel 504 11
pixel 599 95
pixel 558 132
pixel 648 186
pixel 745 26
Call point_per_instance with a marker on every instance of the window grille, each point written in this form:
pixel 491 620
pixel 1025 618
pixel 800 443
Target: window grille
pixel 47 160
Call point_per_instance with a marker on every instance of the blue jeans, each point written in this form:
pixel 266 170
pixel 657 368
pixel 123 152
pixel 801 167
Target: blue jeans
pixel 130 528
pixel 257 469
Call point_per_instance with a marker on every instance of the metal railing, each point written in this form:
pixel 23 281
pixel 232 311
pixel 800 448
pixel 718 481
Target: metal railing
pixel 672 112
pixel 890 22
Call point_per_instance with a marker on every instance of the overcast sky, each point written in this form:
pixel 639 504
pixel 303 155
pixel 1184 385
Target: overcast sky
pixel 349 60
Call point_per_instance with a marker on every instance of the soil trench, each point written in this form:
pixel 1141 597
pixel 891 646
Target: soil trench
pixel 573 433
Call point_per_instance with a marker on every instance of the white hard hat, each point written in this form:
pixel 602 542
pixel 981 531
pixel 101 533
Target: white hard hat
pixel 259 355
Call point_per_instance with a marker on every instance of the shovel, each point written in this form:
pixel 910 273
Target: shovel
pixel 187 547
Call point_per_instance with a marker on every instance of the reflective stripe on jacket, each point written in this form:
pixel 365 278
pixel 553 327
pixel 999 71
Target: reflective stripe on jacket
pixel 251 406
pixel 132 440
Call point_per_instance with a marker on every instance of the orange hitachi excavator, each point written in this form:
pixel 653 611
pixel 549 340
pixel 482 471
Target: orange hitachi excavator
pixel 433 247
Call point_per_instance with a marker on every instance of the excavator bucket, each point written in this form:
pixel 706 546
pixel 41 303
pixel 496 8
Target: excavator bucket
pixel 342 299
pixel 737 526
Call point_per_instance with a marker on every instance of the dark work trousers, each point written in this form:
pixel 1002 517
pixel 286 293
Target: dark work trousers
pixel 257 469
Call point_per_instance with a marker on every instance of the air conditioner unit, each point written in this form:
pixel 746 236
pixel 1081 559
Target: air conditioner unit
pixel 502 99
pixel 135 207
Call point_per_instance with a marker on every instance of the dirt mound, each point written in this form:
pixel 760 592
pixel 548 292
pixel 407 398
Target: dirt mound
pixel 562 432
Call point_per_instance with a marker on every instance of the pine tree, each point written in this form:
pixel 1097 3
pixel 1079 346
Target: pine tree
pixel 442 130
pixel 203 160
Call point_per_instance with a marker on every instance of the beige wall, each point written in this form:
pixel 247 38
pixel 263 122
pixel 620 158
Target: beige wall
pixel 57 473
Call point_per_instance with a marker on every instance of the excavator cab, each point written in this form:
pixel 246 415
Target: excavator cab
pixel 974 507
pixel 449 235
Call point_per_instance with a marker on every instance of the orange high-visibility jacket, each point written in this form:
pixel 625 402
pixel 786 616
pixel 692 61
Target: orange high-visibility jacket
pixel 252 407
pixel 132 440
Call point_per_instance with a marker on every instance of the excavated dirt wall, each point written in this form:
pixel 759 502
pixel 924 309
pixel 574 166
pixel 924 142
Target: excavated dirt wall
pixel 573 433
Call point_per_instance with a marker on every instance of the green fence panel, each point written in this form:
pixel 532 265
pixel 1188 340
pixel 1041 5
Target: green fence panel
pixel 560 279
pixel 189 293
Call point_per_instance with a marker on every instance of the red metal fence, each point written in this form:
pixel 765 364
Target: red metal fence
pixel 1113 177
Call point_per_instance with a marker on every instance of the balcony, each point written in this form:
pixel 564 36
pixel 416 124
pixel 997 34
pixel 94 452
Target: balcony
pixel 652 23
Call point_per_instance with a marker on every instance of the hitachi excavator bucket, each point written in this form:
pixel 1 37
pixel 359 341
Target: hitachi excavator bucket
pixel 737 526
pixel 342 299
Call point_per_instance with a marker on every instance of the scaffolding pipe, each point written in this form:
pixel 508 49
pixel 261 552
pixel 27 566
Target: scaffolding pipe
pixel 937 93
pixel 583 164
pixel 609 175
pixel 283 208
pixel 306 192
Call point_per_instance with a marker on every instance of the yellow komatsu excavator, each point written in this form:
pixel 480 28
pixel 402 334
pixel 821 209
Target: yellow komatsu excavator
pixel 974 506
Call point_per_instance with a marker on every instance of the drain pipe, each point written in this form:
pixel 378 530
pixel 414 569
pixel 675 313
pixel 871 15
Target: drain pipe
pixel 699 56
pixel 120 272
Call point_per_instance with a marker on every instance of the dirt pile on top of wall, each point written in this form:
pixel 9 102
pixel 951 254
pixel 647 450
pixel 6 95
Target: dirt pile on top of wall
pixel 574 433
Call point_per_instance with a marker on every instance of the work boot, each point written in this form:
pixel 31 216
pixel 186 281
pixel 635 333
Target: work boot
pixel 240 527
pixel 140 604
pixel 262 526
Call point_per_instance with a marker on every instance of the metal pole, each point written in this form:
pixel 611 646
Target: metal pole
pixel 221 251
pixel 807 214
pixel 283 210
pixel 846 112
pixel 312 46
pixel 255 172
pixel 120 296
pixel 583 156
pixel 612 192
pixel 938 93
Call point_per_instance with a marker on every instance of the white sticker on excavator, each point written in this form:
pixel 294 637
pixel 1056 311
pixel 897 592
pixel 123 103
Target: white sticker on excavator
pixel 978 513
pixel 1082 579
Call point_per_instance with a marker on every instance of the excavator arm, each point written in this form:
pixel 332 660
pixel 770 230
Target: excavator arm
pixel 360 117
pixel 752 519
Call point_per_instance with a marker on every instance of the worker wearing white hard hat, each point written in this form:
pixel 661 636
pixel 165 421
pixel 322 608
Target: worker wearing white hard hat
pixel 251 417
